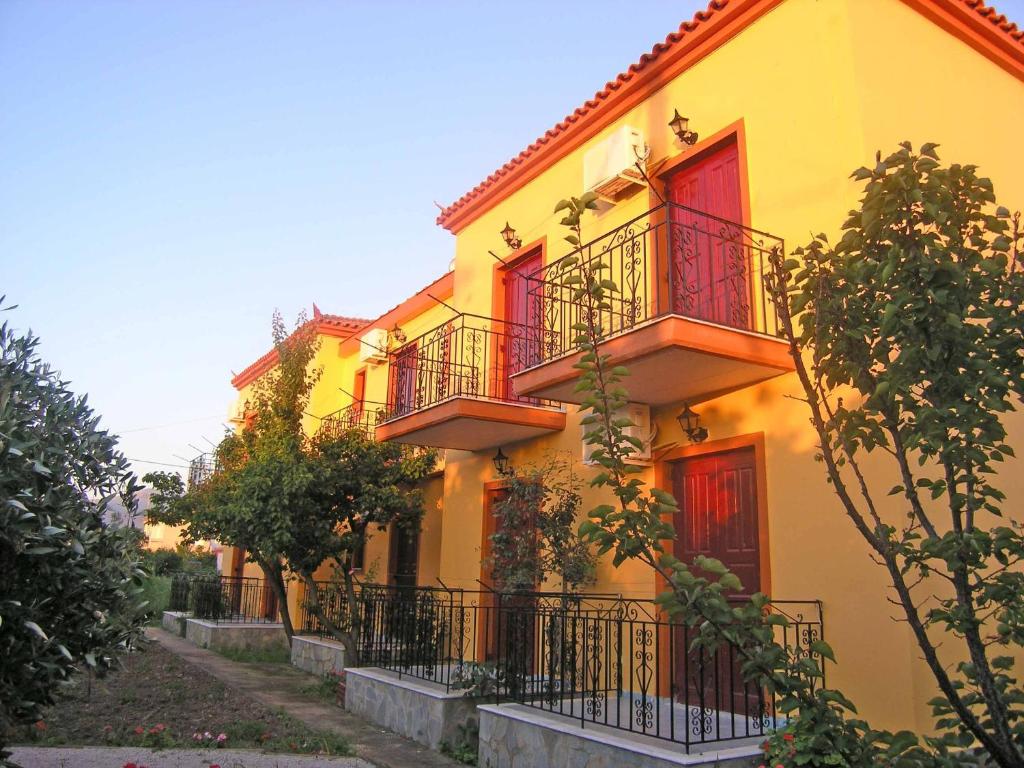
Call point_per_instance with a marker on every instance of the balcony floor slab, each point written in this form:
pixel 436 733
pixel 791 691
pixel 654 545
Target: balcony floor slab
pixel 670 359
pixel 472 424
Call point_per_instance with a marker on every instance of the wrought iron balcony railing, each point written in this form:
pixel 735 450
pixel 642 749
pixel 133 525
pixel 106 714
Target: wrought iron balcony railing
pixel 468 356
pixel 672 260
pixel 201 469
pixel 364 415
pixel 595 659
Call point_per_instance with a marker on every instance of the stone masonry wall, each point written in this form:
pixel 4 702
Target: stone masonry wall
pixel 412 708
pixel 319 657
pixel 510 738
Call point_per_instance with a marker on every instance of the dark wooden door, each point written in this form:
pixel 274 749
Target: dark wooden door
pixel 237 573
pixel 718 517
pixel 403 557
pixel 710 259
pixel 520 333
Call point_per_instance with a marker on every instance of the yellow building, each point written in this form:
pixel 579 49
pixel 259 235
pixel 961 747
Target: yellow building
pixel 788 97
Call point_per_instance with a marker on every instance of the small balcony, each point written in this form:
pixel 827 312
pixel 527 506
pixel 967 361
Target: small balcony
pixel 363 416
pixel 691 317
pixel 452 387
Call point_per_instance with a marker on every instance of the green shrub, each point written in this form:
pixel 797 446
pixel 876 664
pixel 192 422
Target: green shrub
pixel 69 585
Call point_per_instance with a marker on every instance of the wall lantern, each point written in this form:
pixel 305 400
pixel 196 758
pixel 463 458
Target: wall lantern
pixel 396 335
pixel 502 463
pixel 509 236
pixel 681 128
pixel 689 420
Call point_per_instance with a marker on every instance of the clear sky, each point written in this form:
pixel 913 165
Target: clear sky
pixel 172 172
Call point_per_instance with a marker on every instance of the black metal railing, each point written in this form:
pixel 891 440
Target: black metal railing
pixel 234 599
pixel 468 356
pixel 364 416
pixel 597 659
pixel 201 469
pixel 672 260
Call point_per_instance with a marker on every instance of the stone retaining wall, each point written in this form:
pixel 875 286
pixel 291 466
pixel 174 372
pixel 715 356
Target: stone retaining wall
pixel 174 622
pixel 413 708
pixel 220 637
pixel 512 735
pixel 318 656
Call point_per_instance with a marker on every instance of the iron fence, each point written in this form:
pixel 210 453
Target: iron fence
pixel 235 599
pixel 671 260
pixel 600 660
pixel 364 416
pixel 468 356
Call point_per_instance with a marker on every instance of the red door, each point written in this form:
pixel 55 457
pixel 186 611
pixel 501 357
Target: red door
pixel 520 335
pixel 403 381
pixel 710 258
pixel 717 496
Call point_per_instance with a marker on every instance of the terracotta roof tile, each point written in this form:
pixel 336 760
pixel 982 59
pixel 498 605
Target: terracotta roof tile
pixel 997 19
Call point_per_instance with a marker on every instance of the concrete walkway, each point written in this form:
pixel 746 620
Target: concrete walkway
pixel 117 757
pixel 280 686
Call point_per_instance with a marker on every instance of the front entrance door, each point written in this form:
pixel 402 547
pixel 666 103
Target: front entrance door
pixel 710 257
pixel 718 517
pixel 404 556
pixel 519 335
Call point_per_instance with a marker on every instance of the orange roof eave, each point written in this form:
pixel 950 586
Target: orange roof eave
pixel 980 26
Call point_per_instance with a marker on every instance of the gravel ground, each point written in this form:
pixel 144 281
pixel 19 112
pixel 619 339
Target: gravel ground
pixel 118 757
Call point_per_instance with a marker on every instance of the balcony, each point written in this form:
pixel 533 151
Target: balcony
pixel 452 388
pixel 691 317
pixel 363 416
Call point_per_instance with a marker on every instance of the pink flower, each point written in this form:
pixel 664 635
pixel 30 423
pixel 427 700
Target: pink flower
pixel 222 737
pixel 139 729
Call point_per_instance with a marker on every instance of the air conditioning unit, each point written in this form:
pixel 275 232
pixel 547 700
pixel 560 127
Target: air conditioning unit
pixel 373 346
pixel 640 415
pixel 609 168
pixel 237 413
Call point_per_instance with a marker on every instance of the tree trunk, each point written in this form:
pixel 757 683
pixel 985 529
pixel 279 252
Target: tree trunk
pixel 348 639
pixel 274 575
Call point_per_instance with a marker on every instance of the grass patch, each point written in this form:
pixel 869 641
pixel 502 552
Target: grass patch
pixel 324 688
pixel 273 655
pixel 157 700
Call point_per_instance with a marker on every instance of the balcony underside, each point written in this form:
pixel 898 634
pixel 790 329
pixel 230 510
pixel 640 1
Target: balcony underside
pixel 670 359
pixel 472 424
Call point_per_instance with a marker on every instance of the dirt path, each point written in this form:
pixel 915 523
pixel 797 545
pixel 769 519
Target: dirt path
pixel 117 757
pixel 281 685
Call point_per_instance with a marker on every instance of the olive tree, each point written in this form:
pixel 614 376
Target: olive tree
pixel 70 585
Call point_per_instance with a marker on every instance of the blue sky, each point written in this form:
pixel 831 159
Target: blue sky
pixel 172 172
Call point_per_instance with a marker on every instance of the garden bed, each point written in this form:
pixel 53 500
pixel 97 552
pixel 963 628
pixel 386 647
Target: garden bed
pixel 159 700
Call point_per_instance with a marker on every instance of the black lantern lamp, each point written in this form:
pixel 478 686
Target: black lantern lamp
pixel 681 128
pixel 509 236
pixel 689 420
pixel 502 463
pixel 397 335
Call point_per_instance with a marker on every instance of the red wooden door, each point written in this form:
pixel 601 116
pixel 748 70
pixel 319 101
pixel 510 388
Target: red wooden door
pixel 358 395
pixel 509 628
pixel 403 381
pixel 718 517
pixel 709 256
pixel 520 334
